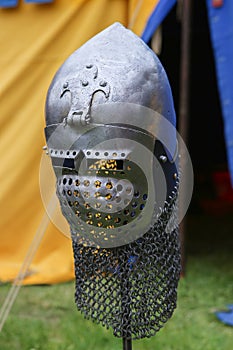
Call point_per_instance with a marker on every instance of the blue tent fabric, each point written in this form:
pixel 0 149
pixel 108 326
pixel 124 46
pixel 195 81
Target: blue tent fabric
pixel 14 3
pixel 8 3
pixel 226 317
pixel 221 30
pixel 156 17
pixel 39 1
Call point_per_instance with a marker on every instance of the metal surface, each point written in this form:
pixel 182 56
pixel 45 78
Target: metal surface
pixel 117 181
pixel 184 102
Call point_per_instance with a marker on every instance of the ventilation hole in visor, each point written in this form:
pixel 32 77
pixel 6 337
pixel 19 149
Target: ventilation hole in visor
pixel 108 217
pixel 144 197
pixel 142 206
pixel 77 182
pixel 133 213
pixel 108 196
pixel 126 212
pixel 128 190
pixel 98 216
pixel 86 194
pixel 70 182
pixel 118 199
pixel 97 184
pixel 69 192
pixel 109 185
pixel 87 206
pixel 64 181
pixel 76 204
pixel 86 183
pixel 117 220
pixel 97 205
pixel 76 193
pixel 134 204
pixel 136 194
pixel 97 194
pixel 125 222
pixel 119 188
pixel 110 226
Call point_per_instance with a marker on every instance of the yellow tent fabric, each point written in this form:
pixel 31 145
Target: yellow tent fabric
pixel 35 40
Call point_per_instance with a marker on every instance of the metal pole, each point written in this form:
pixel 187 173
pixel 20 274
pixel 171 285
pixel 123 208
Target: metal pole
pixel 127 344
pixel 183 122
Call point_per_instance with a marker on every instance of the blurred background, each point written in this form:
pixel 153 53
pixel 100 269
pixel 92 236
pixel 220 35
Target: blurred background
pixel 35 39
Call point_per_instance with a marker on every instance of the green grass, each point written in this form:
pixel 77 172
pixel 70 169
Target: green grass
pixel 45 317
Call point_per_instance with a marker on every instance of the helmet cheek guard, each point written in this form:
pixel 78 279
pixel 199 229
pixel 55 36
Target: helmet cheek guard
pixel 110 131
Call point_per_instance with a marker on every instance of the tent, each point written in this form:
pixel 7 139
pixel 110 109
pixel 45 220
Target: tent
pixel 36 38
